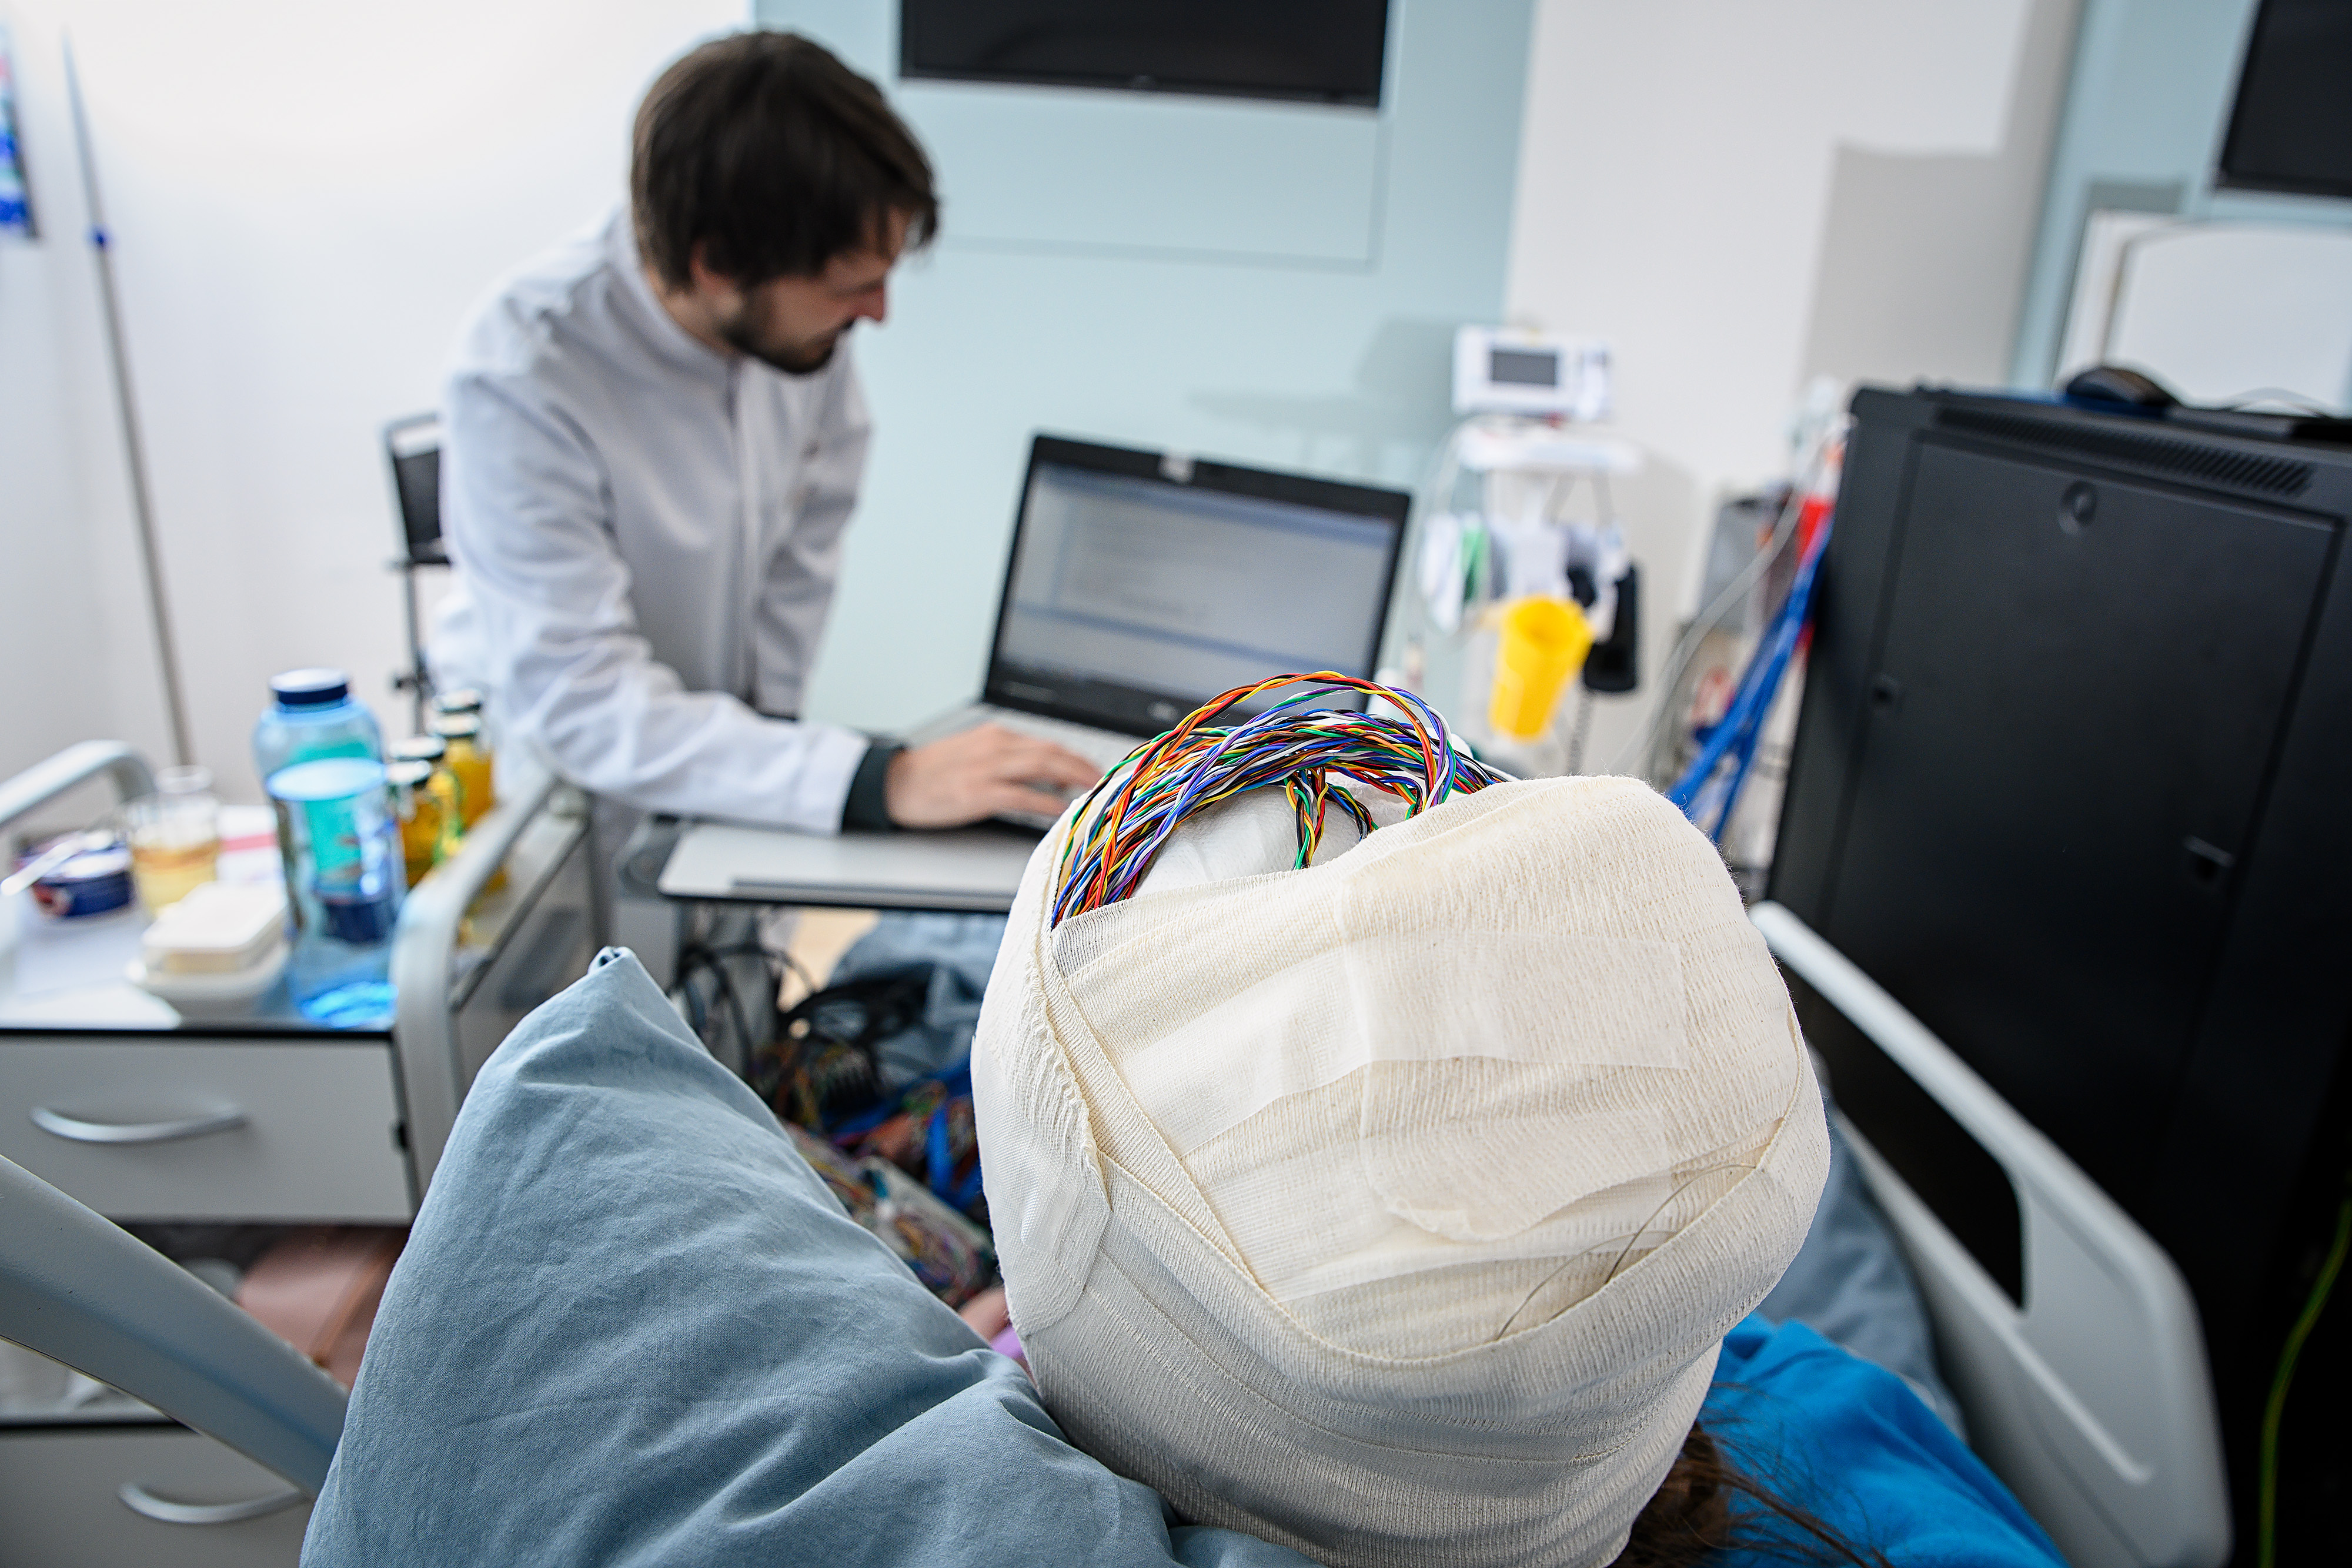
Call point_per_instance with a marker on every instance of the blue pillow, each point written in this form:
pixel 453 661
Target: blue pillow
pixel 632 1326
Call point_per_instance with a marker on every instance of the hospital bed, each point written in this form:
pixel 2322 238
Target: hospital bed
pixel 2086 1389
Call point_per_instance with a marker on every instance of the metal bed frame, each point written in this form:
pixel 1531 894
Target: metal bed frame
pixel 2089 1394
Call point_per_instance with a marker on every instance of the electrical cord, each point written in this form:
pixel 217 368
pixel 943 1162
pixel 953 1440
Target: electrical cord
pixel 1583 730
pixel 2274 1410
pixel 2300 403
pixel 1644 743
pixel 792 967
pixel 1737 734
pixel 698 960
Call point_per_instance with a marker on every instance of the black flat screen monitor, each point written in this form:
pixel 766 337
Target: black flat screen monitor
pixel 1314 51
pixel 2290 128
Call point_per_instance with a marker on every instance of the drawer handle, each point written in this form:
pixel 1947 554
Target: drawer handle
pixel 163 1510
pixel 57 1124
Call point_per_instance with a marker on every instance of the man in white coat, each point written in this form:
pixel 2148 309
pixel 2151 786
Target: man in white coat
pixel 653 439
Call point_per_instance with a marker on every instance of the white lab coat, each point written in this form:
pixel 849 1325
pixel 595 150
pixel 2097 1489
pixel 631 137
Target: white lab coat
pixel 646 535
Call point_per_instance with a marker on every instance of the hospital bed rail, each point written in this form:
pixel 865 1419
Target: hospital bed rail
pixel 2087 1391
pixel 471 956
pixel 43 783
pixel 80 1291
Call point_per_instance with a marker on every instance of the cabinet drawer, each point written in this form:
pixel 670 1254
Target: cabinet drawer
pixel 61 1501
pixel 209 1129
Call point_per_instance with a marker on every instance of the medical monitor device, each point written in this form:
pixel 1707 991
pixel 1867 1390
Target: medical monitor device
pixel 1503 369
pixel 1314 51
pixel 1143 583
pixel 2069 781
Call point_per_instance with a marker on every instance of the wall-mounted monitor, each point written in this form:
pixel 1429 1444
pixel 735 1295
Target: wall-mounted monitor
pixel 2290 128
pixel 1314 51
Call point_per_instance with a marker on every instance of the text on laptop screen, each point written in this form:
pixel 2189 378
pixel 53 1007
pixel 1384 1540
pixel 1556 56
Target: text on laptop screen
pixel 1188 592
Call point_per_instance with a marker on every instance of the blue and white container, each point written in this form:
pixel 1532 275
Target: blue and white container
pixel 344 878
pixel 97 881
pixel 313 715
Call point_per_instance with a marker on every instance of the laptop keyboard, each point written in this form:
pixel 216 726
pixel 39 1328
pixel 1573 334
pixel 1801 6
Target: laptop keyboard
pixel 1104 747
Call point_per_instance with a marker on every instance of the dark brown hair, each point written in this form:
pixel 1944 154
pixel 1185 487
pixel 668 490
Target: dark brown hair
pixel 1693 1515
pixel 774 158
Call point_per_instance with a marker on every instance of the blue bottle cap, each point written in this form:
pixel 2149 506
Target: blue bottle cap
pixel 328 778
pixel 310 689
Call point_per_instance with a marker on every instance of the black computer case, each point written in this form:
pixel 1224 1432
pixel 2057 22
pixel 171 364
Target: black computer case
pixel 2073 780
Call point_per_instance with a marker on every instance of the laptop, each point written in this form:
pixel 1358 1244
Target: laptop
pixel 1141 584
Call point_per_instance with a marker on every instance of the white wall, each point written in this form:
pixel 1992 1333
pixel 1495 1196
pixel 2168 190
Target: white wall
pixel 2146 114
pixel 75 657
pixel 1740 197
pixel 2147 108
pixel 1053 317
pixel 304 201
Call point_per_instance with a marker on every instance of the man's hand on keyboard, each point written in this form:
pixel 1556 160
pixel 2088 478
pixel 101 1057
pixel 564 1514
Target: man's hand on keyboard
pixel 985 771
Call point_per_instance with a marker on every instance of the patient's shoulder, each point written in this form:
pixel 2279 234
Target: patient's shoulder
pixel 1849 1442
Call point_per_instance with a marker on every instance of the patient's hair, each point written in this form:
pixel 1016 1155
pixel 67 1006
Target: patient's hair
pixel 774 158
pixel 1691 1516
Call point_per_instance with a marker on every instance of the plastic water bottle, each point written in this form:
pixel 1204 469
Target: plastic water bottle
pixel 345 877
pixel 313 716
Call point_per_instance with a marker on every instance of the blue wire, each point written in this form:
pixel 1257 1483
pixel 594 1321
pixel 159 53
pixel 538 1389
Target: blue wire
pixel 1789 628
pixel 1743 724
pixel 1729 729
pixel 1745 754
pixel 940 1156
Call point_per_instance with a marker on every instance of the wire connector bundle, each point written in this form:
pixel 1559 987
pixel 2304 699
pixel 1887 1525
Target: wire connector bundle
pixel 1301 749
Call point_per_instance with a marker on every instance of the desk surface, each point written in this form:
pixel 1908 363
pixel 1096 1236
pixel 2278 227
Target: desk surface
pixel 975 870
pixel 62 975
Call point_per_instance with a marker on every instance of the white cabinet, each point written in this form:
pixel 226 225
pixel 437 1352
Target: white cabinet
pixel 62 1506
pixel 195 1128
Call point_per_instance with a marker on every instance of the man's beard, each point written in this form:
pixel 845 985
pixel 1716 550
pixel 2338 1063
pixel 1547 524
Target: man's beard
pixel 793 360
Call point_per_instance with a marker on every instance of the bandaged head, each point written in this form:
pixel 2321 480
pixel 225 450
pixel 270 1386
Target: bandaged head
pixel 1394 1208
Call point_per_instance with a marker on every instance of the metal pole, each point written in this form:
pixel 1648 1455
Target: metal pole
pixel 419 680
pixel 141 508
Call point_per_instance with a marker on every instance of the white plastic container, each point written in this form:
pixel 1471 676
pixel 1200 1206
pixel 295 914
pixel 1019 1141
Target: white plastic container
pixel 198 995
pixel 219 928
pixel 217 951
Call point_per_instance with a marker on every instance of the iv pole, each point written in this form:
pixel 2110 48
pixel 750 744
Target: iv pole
pixel 142 506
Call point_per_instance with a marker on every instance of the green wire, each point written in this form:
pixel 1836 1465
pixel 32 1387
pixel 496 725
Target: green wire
pixel 2268 1527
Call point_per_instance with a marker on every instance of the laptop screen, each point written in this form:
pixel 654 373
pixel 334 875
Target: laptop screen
pixel 1133 597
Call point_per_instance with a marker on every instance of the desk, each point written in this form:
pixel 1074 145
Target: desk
pixel 962 870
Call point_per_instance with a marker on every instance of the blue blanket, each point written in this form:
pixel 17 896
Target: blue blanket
pixel 632 1327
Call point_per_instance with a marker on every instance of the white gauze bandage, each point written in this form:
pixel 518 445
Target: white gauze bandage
pixel 1394 1208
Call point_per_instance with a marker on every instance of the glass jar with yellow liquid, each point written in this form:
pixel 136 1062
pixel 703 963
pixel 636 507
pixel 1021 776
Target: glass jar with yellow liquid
pixel 174 836
pixel 425 799
pixel 469 760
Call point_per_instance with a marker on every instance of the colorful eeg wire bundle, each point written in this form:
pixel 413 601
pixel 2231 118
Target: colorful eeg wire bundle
pixel 1126 819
